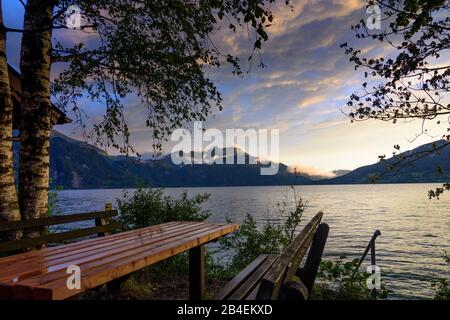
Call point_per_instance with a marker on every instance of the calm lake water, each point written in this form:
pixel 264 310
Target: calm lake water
pixel 414 229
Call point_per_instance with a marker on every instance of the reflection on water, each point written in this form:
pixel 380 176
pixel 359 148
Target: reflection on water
pixel 414 229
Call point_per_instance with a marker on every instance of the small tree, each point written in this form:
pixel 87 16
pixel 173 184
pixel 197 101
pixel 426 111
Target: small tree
pixel 415 82
pixel 156 49
pixel 151 207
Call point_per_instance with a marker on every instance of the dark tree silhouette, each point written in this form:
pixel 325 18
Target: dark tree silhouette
pixel 415 83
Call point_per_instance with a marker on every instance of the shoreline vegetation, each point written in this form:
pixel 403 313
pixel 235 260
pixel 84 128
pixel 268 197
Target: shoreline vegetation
pixel 336 280
pixel 244 186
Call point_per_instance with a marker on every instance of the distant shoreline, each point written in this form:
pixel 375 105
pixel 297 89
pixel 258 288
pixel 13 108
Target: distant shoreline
pixel 255 186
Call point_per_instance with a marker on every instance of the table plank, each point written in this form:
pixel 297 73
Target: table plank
pixel 49 255
pixel 42 274
pixel 141 240
pixel 98 259
pixel 47 264
pixel 37 254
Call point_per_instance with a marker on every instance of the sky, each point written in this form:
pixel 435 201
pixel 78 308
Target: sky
pixel 301 91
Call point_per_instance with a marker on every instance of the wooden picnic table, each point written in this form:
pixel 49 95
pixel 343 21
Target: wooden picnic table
pixel 43 274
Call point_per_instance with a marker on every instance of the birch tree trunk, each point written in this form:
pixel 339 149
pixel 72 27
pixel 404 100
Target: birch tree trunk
pixel 35 109
pixel 9 206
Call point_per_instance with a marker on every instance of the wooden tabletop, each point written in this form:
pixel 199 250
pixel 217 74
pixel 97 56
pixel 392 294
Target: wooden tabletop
pixel 42 274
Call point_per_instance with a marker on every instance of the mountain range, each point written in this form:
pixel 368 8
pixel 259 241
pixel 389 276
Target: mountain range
pixel 78 165
pixel 427 163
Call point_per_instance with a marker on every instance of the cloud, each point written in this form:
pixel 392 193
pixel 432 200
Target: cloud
pixel 311 101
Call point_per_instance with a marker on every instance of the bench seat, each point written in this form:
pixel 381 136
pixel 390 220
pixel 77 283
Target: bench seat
pixel 245 284
pixel 282 277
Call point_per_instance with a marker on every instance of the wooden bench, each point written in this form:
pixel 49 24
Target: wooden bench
pixel 103 226
pixel 272 277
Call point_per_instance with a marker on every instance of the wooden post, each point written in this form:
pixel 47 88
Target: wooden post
pixel 104 221
pixel 112 287
pixel 197 273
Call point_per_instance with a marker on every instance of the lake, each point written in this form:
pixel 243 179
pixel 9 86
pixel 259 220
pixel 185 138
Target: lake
pixel 414 229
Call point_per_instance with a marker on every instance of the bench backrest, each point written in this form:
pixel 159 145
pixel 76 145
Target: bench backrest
pixel 103 225
pixel 286 266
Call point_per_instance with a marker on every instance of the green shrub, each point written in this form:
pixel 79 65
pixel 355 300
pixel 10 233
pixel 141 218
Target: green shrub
pixel 338 280
pixel 441 289
pixel 246 244
pixel 146 207
pixel 52 210
pixel 53 200
pixel 441 286
pixel 446 257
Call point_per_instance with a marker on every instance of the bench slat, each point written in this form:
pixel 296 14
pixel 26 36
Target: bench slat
pixel 56 237
pixel 289 261
pixel 252 295
pixel 245 289
pixel 234 283
pixel 49 221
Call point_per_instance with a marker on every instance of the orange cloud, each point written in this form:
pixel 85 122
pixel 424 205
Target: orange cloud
pixel 311 101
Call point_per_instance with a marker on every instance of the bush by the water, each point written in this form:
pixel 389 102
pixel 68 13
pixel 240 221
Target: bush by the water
pixel 341 280
pixel 146 207
pixel 441 286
